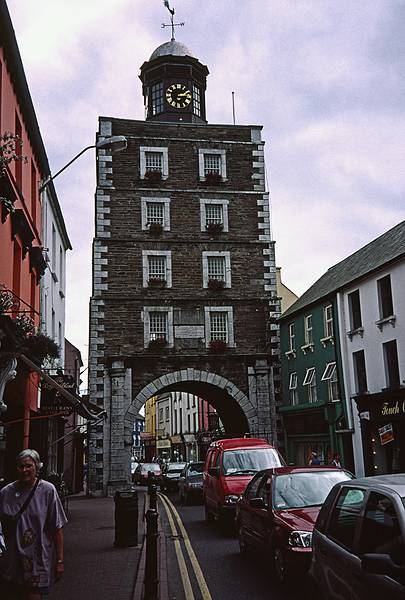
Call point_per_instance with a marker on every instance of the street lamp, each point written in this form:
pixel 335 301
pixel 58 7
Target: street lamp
pixel 115 143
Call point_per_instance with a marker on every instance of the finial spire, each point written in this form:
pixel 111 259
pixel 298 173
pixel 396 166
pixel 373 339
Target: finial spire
pixel 172 24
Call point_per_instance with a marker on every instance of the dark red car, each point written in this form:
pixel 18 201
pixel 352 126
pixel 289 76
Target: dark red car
pixel 277 512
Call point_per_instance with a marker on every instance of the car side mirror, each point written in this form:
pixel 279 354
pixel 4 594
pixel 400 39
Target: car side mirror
pixel 213 471
pixel 257 503
pixel 380 564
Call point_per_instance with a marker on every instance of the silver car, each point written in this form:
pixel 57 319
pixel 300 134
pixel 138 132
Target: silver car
pixel 358 544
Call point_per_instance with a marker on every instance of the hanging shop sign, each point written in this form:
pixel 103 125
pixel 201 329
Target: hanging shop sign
pixel 163 444
pixel 386 434
pixel 52 402
pixel 176 439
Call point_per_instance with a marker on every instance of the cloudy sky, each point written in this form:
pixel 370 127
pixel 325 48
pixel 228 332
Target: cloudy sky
pixel 325 78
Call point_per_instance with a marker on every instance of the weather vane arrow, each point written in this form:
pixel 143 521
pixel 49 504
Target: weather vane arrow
pixel 172 24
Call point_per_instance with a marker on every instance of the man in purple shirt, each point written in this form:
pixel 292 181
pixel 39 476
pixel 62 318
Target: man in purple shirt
pixel 26 564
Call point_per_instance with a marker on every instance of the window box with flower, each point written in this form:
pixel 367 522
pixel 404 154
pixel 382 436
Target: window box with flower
pixel 216 285
pixel 41 346
pixel 153 176
pixel 156 282
pixel 213 178
pixel 157 343
pixel 218 346
pixel 214 229
pixel 155 229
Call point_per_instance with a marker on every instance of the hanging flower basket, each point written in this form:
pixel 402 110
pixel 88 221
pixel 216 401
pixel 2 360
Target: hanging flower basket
pixel 156 282
pixel 157 343
pixel 42 346
pixel 217 346
pixel 214 229
pixel 7 301
pixel 153 176
pixel 216 285
pixel 24 325
pixel 213 179
pixel 155 229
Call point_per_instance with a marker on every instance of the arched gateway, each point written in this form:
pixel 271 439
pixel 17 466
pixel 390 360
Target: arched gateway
pixel 184 276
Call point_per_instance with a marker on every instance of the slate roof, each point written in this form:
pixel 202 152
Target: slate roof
pixel 385 249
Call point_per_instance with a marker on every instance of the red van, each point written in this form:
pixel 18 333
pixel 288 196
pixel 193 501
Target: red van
pixel 229 466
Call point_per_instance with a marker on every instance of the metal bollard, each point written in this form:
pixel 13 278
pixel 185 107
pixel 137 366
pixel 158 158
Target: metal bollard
pixel 153 497
pixel 151 565
pixel 151 480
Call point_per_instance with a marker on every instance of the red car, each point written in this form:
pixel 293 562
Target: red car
pixel 277 513
pixel 140 476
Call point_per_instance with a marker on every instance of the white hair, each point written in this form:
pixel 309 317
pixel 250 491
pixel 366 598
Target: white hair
pixel 33 454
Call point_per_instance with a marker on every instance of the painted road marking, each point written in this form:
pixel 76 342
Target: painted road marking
pixel 205 593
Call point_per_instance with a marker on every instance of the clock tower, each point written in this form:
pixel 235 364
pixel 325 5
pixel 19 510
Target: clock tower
pixel 174 84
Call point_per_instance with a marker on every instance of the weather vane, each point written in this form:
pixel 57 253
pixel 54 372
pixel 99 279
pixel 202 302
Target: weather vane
pixel 172 25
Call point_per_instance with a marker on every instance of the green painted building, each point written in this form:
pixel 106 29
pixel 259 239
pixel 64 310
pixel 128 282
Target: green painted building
pixel 313 406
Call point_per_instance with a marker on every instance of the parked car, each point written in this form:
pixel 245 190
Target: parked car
pixel 229 466
pixel 191 482
pixel 359 540
pixel 171 475
pixel 140 476
pixel 277 512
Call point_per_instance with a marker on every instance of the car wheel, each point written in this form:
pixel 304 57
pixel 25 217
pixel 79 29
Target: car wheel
pixel 280 566
pixel 243 548
pixel 208 514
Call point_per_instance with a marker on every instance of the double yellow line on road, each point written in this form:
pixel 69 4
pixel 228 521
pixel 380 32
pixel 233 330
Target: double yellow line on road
pixel 185 578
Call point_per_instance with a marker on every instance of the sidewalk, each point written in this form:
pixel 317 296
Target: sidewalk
pixel 93 567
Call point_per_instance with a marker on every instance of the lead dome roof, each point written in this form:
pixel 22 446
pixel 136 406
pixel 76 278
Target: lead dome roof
pixel 172 48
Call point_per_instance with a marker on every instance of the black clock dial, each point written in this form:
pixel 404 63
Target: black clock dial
pixel 178 95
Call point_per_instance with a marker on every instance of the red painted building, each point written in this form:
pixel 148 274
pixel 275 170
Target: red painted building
pixel 21 260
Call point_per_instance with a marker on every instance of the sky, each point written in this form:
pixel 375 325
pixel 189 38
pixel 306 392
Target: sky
pixel 325 78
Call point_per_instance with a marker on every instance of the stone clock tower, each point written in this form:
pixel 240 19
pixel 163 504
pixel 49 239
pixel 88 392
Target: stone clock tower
pixel 184 277
pixel 174 84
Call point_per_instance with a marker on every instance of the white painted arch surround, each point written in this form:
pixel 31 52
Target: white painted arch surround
pixel 183 376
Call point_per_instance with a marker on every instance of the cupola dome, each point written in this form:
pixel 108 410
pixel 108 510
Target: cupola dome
pixel 172 48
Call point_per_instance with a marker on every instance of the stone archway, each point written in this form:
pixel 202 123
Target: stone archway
pixel 178 380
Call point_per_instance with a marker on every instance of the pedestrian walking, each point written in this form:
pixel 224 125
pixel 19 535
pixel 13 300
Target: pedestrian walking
pixel 32 519
pixel 336 462
pixel 314 460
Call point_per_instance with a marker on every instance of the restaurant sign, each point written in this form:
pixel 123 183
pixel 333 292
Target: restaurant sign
pixel 52 402
pixel 392 409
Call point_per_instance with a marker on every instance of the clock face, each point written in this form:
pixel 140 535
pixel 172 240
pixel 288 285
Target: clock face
pixel 178 95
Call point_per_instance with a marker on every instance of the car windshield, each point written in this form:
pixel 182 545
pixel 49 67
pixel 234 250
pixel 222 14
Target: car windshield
pixel 175 467
pixel 195 468
pixel 298 490
pixel 249 461
pixel 150 467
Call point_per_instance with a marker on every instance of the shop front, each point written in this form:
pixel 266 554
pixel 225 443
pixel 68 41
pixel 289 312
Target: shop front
pixel 307 431
pixel 382 418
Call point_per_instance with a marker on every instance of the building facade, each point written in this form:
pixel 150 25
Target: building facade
pixel 184 277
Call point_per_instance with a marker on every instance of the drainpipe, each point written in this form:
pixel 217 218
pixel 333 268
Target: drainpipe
pixel 27 413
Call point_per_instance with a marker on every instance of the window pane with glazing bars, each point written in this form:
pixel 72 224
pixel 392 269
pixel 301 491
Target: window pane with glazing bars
pixel 155 212
pixel 216 268
pixel 219 326
pixel 157 98
pixel 213 214
pixel 212 163
pixel 157 325
pixel 153 161
pixel 157 267
pixel 196 101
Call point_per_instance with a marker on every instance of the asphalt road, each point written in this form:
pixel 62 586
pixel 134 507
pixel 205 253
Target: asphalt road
pixel 227 574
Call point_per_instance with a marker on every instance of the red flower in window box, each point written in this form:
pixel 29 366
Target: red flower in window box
pixel 214 229
pixel 153 176
pixel 216 284
pixel 155 229
pixel 157 343
pixel 213 179
pixel 218 346
pixel 156 282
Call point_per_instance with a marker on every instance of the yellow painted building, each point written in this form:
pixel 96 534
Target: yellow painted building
pixel 150 416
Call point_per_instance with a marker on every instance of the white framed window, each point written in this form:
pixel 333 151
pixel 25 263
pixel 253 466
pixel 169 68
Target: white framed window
pixel 154 159
pixel 196 101
pixel 291 337
pixel 216 265
pixel 329 371
pixel 219 324
pixel 328 321
pixel 155 210
pixel 212 161
pixel 157 265
pixel 333 388
pixel 158 323
pixel 310 382
pixel 214 212
pixel 308 331
pixel 293 389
